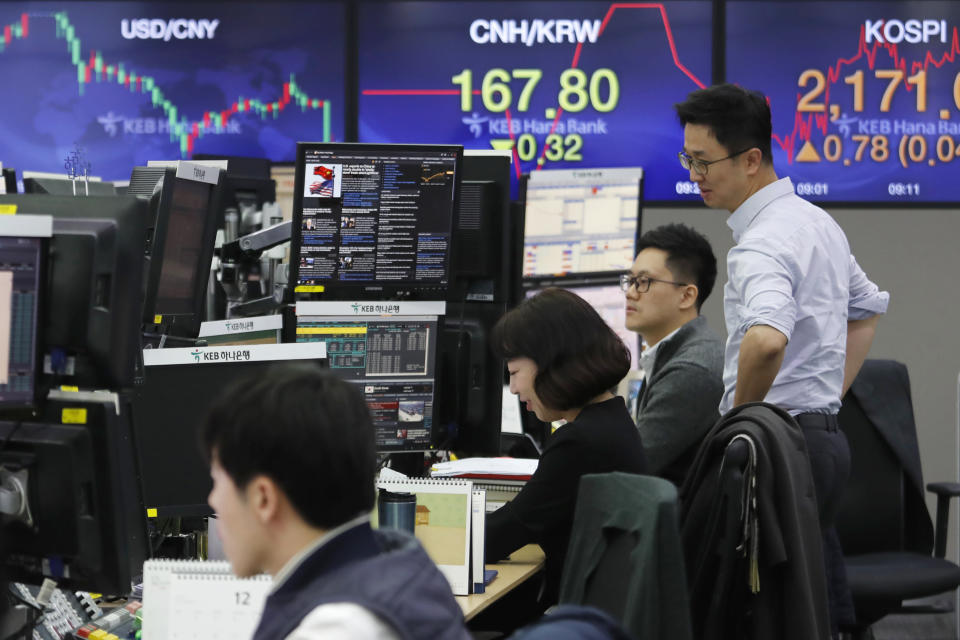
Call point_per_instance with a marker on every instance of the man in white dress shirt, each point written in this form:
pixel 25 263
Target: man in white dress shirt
pixel 293 465
pixel 800 312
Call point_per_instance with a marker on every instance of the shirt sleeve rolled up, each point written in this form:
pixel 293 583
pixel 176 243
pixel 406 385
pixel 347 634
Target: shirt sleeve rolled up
pixel 866 299
pixel 767 290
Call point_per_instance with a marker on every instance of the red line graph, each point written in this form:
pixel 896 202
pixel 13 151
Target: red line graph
pixel 573 65
pixel 804 124
pixel 516 155
pixel 413 92
pixel 666 28
pixel 603 26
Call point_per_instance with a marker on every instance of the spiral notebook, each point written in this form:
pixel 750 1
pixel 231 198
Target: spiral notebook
pixel 443 524
pixel 194 599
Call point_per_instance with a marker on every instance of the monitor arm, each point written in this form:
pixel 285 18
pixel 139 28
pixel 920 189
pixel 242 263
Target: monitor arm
pixel 258 241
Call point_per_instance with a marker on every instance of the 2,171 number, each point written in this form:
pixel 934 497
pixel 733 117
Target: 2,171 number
pixel 809 101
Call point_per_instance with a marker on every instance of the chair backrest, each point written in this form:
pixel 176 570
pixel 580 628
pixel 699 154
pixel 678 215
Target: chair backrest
pixel 573 622
pixel 625 557
pixel 883 509
pixel 870 518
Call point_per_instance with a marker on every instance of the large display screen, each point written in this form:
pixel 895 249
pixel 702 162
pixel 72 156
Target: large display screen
pixel 135 81
pixel 561 84
pixel 865 96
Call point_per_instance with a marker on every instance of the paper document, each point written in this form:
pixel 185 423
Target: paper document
pixel 505 468
pixel 510 418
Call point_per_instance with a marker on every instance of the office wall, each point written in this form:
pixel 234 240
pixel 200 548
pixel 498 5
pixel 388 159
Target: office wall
pixel 915 255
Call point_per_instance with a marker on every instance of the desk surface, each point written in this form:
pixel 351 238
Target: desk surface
pixel 522 564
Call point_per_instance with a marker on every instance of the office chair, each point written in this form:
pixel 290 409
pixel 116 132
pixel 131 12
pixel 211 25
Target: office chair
pixel 572 622
pixel 624 555
pixel 888 540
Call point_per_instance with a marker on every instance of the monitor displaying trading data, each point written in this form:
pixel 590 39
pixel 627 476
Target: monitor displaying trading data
pixel 20 285
pixel 864 96
pixel 581 222
pixel 610 302
pixel 558 84
pixel 374 221
pixel 128 82
pixel 393 361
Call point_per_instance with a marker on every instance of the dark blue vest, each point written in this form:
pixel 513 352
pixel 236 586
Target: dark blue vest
pixel 384 571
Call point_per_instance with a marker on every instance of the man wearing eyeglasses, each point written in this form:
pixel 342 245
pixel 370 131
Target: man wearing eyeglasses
pixel 673 274
pixel 800 312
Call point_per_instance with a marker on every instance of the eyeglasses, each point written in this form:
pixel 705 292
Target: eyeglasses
pixel 642 283
pixel 688 162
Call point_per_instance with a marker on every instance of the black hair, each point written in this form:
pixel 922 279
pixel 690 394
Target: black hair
pixel 738 118
pixel 689 256
pixel 304 428
pixel 578 356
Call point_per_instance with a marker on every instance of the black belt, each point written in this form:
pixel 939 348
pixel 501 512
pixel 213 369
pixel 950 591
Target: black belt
pixel 825 421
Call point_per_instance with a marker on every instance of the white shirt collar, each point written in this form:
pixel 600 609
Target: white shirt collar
pixel 648 356
pixel 294 562
pixel 740 219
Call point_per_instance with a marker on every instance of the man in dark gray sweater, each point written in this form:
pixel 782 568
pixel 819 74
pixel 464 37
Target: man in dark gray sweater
pixel 673 274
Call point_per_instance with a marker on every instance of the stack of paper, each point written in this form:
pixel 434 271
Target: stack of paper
pixel 493 468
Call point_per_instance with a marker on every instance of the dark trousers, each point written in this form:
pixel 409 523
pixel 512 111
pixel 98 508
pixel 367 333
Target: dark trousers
pixel 829 454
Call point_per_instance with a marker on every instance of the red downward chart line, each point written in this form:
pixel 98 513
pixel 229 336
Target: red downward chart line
pixel 603 26
pixel 803 125
pixel 573 65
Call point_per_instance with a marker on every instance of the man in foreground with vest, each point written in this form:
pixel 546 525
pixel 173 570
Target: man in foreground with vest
pixel 293 465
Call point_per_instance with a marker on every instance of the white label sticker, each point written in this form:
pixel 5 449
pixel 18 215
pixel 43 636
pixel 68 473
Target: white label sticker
pixel 198 172
pixel 245 353
pixel 372 308
pixel 240 325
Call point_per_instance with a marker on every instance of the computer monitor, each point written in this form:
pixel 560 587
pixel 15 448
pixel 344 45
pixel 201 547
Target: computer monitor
pixel 481 283
pixel 469 380
pixel 65 186
pixel 9 180
pixel 373 222
pixel 482 263
pixel 610 302
pixel 72 510
pixel 182 227
pixel 580 223
pixel 248 183
pixel 166 432
pixel 22 285
pixel 91 327
pixel 393 360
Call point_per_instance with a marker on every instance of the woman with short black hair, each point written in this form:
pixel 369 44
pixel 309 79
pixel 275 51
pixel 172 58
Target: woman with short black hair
pixel 563 359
